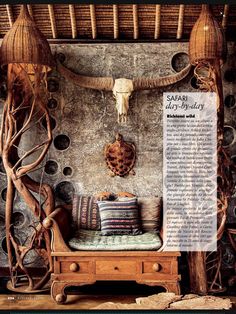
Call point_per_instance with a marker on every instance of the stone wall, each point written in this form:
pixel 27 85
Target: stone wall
pixel 86 120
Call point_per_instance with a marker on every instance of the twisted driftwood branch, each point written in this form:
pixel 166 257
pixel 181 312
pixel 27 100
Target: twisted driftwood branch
pixel 25 93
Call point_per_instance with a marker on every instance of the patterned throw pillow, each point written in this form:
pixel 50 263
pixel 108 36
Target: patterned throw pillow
pixel 151 213
pixel 119 217
pixel 85 213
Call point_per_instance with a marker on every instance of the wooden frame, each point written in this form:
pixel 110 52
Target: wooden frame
pixel 77 268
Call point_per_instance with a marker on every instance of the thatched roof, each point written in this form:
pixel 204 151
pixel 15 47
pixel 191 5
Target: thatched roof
pixel 119 22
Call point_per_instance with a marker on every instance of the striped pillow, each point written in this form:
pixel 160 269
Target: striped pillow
pixel 151 213
pixel 85 213
pixel 119 217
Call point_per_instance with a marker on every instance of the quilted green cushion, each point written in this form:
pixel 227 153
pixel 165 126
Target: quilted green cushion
pixel 89 240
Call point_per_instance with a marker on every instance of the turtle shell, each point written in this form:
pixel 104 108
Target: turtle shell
pixel 120 156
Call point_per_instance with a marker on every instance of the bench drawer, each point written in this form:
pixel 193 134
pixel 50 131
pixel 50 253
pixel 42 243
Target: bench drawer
pixel 75 267
pixel 104 267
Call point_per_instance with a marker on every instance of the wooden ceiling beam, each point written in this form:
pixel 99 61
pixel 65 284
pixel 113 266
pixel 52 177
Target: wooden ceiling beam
pixel 180 22
pixel 225 16
pixel 157 32
pixel 30 9
pixel 52 20
pixel 73 21
pixel 116 21
pixel 10 14
pixel 93 20
pixel 135 21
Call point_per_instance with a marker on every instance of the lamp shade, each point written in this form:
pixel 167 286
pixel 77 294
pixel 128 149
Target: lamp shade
pixel 207 40
pixel 24 43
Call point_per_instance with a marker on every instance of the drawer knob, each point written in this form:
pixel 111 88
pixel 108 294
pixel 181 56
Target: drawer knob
pixel 74 267
pixel 156 267
pixel 116 268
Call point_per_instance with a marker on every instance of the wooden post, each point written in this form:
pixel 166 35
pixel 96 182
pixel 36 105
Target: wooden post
pixel 197 272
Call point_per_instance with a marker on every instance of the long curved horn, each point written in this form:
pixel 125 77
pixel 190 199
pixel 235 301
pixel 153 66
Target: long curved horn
pixel 150 83
pixel 100 83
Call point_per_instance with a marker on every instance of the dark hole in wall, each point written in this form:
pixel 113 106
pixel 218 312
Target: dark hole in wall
pixel 193 83
pixel 2 221
pixel 2 169
pixel 51 167
pixel 3 91
pixel 179 61
pixel 233 158
pixel 229 101
pixel 4 244
pixel 53 85
pixel 228 136
pixel 61 57
pixel 4 194
pixel 61 142
pixel 18 219
pixel 67 171
pixel 52 122
pixel 52 103
pixel 64 191
pixel 230 75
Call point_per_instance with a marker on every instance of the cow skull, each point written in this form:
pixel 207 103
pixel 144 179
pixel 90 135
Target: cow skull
pixel 122 88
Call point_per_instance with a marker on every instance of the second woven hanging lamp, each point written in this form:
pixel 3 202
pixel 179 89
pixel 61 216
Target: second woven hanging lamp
pixel 207 40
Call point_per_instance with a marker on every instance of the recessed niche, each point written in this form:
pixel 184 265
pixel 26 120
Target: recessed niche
pixel 228 136
pixel 3 91
pixel 193 82
pixel 51 167
pixel 230 75
pixel 52 122
pixel 61 57
pixel 53 85
pixel 4 194
pixel 64 191
pixel 18 219
pixel 67 171
pixel 179 61
pixel 52 103
pixel 229 101
pixel 2 222
pixel 61 142
pixel 233 158
pixel 4 244
pixel 2 169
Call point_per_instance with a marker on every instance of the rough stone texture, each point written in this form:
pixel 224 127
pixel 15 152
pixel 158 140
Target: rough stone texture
pixel 89 118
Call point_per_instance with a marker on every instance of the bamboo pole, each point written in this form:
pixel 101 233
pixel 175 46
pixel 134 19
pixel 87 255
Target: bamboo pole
pixel 225 16
pixel 93 21
pixel 180 22
pixel 135 21
pixel 73 21
pixel 10 14
pixel 157 22
pixel 116 21
pixel 52 20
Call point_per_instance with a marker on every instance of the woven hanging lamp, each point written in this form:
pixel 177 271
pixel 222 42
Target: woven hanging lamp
pixel 25 44
pixel 207 40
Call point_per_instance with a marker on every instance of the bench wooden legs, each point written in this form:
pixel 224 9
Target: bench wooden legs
pixel 58 288
pixel 172 286
pixel 58 291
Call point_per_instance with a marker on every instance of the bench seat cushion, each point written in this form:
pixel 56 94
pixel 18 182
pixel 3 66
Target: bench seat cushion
pixel 89 240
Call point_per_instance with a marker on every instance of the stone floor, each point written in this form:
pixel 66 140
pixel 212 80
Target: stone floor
pixel 74 302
